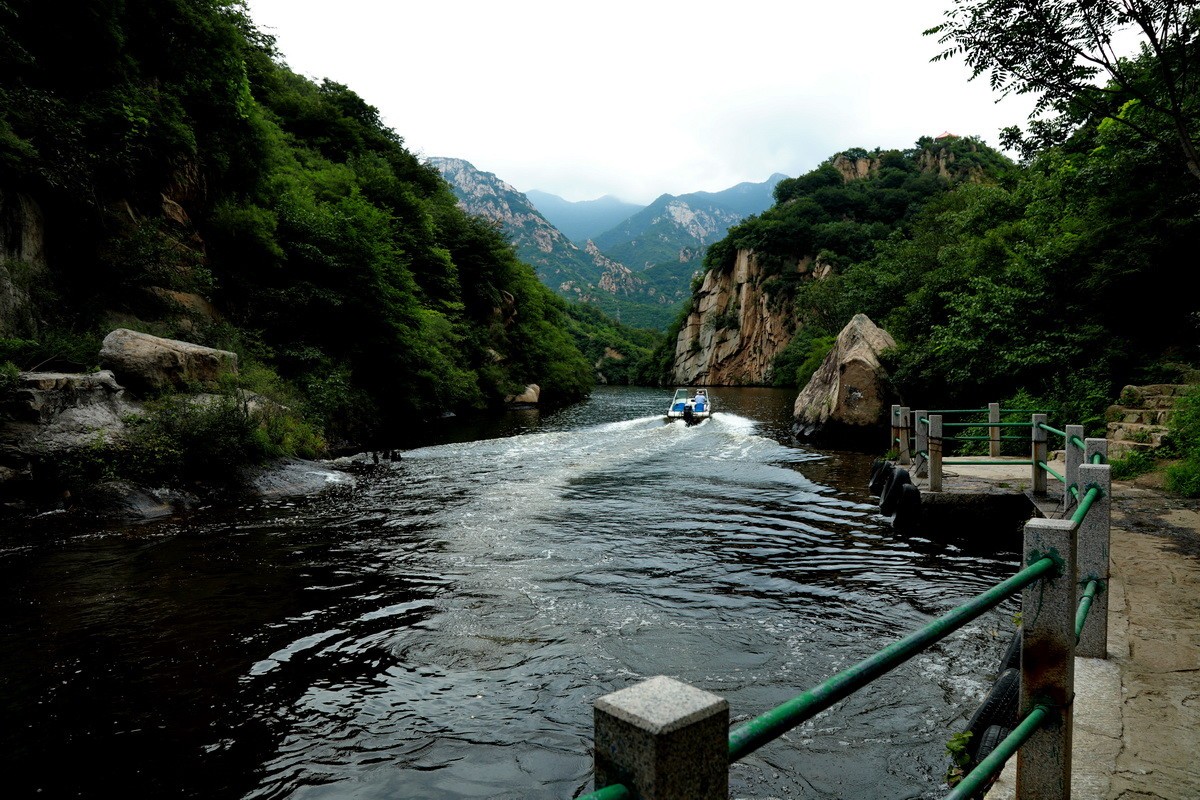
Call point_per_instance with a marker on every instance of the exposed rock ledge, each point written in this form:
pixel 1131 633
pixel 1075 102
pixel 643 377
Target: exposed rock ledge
pixel 52 417
pixel 733 334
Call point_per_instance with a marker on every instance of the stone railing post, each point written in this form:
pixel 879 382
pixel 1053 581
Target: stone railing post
pixel 663 740
pixel 894 443
pixel 1074 457
pixel 1095 447
pixel 1048 662
pixel 935 452
pixel 920 443
pixel 1040 452
pixel 905 454
pixel 994 431
pixel 1094 532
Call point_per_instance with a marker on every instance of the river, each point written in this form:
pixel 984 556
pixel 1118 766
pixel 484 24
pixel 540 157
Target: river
pixel 441 628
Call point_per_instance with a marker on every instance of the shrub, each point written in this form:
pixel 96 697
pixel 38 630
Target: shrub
pixel 1184 478
pixel 803 356
pixel 206 439
pixel 1137 462
pixel 8 376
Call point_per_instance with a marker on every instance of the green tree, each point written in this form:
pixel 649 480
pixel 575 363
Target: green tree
pixel 1063 51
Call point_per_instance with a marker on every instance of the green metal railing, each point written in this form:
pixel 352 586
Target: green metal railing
pixel 750 736
pixel 762 729
pixel 987 424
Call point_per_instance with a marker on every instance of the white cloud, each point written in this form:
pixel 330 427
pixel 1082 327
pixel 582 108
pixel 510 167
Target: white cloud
pixel 640 98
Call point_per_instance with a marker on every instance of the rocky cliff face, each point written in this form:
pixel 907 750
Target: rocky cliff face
pixel 733 333
pixel 22 261
pixel 940 161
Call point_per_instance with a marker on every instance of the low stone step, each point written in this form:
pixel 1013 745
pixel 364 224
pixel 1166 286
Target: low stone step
pixel 1122 448
pixel 1137 433
pixel 1138 395
pixel 1144 416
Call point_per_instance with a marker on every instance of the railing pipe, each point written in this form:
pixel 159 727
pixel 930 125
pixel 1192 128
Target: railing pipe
pixel 981 424
pixel 977 779
pixel 1048 662
pixel 1041 453
pixel 986 439
pixel 1055 431
pixel 615 792
pixel 754 734
pixel 1091 496
pixel 1085 605
pixel 1045 466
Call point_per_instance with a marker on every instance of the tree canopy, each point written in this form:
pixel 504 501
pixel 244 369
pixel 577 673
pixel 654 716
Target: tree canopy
pixel 1065 52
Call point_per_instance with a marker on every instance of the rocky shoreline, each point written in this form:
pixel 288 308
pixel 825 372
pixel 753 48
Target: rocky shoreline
pixel 51 420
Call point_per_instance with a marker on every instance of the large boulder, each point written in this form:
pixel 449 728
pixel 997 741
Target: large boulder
pixel 848 399
pixel 531 396
pixel 146 363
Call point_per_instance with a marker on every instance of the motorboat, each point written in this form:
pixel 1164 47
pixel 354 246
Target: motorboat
pixel 690 406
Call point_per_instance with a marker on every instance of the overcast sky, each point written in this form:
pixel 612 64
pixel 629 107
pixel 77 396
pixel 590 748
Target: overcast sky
pixel 635 99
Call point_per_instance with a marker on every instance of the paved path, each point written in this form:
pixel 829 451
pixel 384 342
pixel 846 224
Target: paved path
pixel 1137 714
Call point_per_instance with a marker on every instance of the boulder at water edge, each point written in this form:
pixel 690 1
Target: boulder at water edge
pixel 148 363
pixel 530 396
pixel 848 399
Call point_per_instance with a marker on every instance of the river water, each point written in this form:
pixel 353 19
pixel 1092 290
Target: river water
pixel 441 629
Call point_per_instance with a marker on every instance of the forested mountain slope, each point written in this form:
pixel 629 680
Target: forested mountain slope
pixel 186 182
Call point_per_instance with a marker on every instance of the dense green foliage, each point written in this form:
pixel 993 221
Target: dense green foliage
pixel 1184 476
pixel 187 157
pixel 620 354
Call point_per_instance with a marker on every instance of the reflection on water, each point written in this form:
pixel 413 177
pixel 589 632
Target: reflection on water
pixel 442 629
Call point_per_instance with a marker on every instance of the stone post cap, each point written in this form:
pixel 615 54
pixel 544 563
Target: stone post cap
pixel 661 705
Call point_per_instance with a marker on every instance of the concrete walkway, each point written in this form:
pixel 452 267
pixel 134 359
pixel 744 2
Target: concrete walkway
pixel 1137 714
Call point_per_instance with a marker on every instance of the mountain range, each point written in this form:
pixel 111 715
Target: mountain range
pixel 640 269
pixel 584 219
